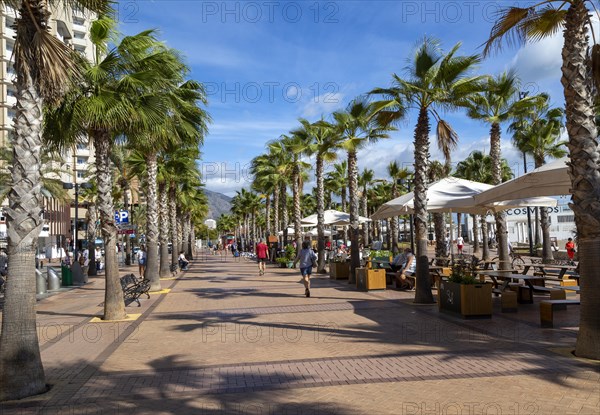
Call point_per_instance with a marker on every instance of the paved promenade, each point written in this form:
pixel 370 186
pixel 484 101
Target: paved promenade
pixel 224 340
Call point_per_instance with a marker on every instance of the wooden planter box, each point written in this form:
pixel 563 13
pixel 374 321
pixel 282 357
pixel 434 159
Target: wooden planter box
pixel 469 300
pixel 370 279
pixel 339 270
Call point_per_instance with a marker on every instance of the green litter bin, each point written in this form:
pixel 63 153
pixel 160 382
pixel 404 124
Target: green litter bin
pixel 67 275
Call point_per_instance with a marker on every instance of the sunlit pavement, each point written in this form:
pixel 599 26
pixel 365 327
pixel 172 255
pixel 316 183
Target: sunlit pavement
pixel 225 340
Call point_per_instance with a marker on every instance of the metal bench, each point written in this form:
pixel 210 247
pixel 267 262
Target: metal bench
pixel 547 310
pixel 134 288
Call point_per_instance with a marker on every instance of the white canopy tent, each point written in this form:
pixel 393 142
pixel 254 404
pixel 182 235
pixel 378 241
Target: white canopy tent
pixel 452 194
pixel 289 230
pixel 333 217
pixel 552 179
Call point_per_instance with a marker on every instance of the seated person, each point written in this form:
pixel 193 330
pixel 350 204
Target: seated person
pixel 409 269
pixel 183 262
pixel 398 262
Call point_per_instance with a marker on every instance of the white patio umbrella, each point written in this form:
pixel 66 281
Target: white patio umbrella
pixel 333 217
pixel 289 230
pixel 452 194
pixel 552 179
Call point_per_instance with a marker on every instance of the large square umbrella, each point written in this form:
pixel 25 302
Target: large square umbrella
pixel 551 179
pixel 452 194
pixel 332 217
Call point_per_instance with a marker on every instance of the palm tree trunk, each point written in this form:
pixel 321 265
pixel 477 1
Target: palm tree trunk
pixel 114 305
pixel 92 217
pixel 275 216
pixel 583 170
pixel 173 223
pixel 439 225
pixel 475 235
pixel 127 238
pixel 320 214
pixel 185 230
pixel 163 234
pixel 501 229
pixel 21 369
pixel 423 294
pixel 179 233
pixel 284 213
pixel 354 231
pixel 365 209
pixel 268 214
pixel 485 255
pixel 151 273
pixel 459 224
pixel 394 234
pixel 297 209
pixel 343 195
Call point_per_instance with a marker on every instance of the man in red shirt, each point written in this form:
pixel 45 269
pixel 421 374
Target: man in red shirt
pixel 262 254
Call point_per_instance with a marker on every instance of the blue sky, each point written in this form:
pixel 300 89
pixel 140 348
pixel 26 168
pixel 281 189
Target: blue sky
pixel 266 63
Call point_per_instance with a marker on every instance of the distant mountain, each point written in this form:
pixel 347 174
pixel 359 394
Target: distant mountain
pixel 218 204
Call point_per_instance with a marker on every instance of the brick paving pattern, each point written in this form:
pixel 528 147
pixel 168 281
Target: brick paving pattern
pixel 226 341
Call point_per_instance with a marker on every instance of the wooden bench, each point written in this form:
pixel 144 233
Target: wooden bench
pixel 547 310
pixel 133 288
pixel 508 300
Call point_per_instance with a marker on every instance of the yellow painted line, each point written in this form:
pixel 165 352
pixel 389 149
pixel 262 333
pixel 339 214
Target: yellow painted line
pixel 130 317
pixel 165 291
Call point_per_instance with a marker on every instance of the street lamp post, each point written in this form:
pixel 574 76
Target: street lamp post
pixel 76 186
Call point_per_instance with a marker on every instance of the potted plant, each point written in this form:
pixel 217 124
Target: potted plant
pixel 282 261
pixel 339 269
pixel 463 293
pixel 290 255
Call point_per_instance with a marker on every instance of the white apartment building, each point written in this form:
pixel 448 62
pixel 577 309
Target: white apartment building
pixel 72 27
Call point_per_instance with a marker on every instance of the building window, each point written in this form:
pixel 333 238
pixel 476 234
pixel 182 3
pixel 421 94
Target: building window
pixel 80 49
pixel 78 35
pixel 566 218
pixel 10 92
pixel 11 114
pixel 82 146
pixel 9 22
pixel 78 20
pixel 80 174
pixel 81 160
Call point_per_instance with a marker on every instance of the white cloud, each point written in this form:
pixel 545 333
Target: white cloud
pixel 324 104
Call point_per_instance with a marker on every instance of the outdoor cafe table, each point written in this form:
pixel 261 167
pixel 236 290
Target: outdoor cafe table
pixel 508 277
pixel 543 268
pixel 491 265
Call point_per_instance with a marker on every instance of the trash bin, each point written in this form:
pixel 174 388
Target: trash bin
pixel 53 281
pixel 41 284
pixel 67 276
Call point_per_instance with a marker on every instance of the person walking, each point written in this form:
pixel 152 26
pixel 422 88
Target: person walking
pixel 262 254
pixel 460 242
pixel 141 259
pixel 570 247
pixel 308 259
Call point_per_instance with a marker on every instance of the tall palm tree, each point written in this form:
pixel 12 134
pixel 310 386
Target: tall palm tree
pixel 358 126
pixel 478 168
pixel 396 173
pixel 118 96
pixel 337 181
pixel 499 102
pixel 438 171
pixel 538 134
pixel 573 18
pixel 323 143
pixel 44 66
pixel 435 81
pixel 364 182
pixel 184 123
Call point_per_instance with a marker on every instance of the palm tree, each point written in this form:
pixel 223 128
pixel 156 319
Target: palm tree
pixel 117 96
pixel 397 174
pixel 573 18
pixel 538 135
pixel 435 81
pixel 497 103
pixel 43 65
pixel 364 181
pixel 478 168
pixel 184 123
pixel 323 143
pixel 337 181
pixel 358 126
pixel 438 171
